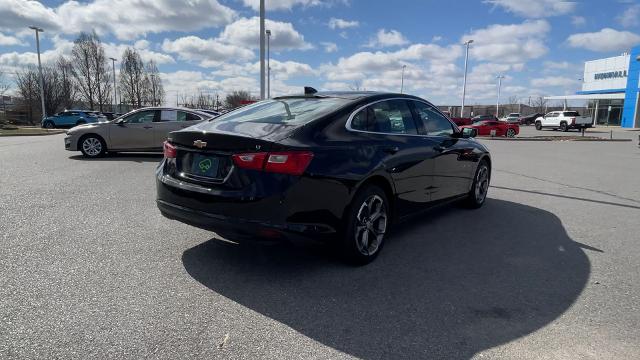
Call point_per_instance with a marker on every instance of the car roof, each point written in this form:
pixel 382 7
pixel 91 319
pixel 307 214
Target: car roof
pixel 350 95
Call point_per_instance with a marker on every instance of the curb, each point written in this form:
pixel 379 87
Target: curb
pixel 55 132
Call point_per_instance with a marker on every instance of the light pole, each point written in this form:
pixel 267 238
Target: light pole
pixel 402 79
pixel 464 79
pixel 115 97
pixel 262 33
pixel 38 31
pixel 268 66
pixel 499 77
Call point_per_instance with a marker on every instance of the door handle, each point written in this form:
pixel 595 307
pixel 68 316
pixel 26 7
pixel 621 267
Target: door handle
pixel 391 149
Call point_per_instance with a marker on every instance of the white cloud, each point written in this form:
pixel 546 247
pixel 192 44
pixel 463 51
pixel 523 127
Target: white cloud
pixel 605 40
pixel 280 70
pixel 578 20
pixel 384 38
pixel 289 4
pixel 207 52
pixel 555 81
pixel 335 23
pixel 513 43
pixel 126 19
pixel 245 32
pixel 6 40
pixel 142 46
pixel 535 8
pixel 329 47
pixel 557 65
pixel 630 17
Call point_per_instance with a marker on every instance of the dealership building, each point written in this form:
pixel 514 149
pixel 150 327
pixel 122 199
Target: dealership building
pixel 610 88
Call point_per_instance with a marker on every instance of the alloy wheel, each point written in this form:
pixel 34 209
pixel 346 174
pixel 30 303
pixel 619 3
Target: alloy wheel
pixel 92 146
pixel 371 224
pixel 511 133
pixel 482 184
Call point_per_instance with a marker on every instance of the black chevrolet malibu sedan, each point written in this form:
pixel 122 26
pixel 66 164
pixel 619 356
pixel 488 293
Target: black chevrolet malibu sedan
pixel 335 166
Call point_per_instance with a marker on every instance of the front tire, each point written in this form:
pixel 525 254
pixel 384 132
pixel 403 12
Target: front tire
pixel 92 146
pixel 538 125
pixel 367 224
pixel 478 194
pixel 48 125
pixel 511 133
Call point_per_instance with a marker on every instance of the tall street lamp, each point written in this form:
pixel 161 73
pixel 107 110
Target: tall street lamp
pixel 115 97
pixel 268 66
pixel 499 77
pixel 38 31
pixel 464 80
pixel 402 79
pixel 262 33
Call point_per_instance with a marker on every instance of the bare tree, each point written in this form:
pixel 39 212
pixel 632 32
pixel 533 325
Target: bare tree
pixel 91 70
pixel 236 98
pixel 4 84
pixel 28 89
pixel 67 88
pixel 132 78
pixel 539 104
pixel 153 85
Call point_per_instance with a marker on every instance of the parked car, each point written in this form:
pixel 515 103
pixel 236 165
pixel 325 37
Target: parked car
pixel 563 120
pixel 109 115
pixel 501 128
pixel 69 118
pixel 336 166
pixel 529 119
pixel 511 118
pixel 140 130
pixel 461 121
pixel 479 118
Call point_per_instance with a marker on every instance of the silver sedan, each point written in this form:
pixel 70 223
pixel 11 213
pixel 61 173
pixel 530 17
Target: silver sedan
pixel 140 130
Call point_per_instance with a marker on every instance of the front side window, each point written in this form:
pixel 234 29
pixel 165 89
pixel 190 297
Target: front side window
pixel 141 117
pixel 391 117
pixel 434 122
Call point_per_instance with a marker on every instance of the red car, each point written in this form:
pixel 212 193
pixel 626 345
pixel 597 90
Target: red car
pixel 502 128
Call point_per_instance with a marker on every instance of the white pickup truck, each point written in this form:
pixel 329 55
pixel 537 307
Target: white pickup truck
pixel 563 120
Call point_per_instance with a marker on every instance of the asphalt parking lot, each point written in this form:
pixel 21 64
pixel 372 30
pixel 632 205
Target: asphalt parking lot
pixel 548 269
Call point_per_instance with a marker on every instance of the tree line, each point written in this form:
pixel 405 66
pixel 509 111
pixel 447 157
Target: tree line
pixel 85 79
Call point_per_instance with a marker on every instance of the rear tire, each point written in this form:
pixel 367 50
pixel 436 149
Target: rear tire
pixel 366 226
pixel 480 187
pixel 538 125
pixel 48 125
pixel 92 146
pixel 564 127
pixel 511 133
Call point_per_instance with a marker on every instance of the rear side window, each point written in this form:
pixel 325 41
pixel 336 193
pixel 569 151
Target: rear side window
pixel 292 111
pixel 391 117
pixel 571 113
pixel 434 122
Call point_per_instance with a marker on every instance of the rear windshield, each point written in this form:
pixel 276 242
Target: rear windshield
pixel 571 113
pixel 293 111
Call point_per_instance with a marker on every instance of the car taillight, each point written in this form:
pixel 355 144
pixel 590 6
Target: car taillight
pixel 252 161
pixel 287 162
pixel 170 151
pixel 573 121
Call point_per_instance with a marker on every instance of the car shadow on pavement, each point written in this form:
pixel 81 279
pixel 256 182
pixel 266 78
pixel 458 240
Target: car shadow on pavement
pixel 134 157
pixel 450 284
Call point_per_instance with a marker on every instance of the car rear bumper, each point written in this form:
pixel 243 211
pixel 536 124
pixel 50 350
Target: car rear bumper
pixel 280 216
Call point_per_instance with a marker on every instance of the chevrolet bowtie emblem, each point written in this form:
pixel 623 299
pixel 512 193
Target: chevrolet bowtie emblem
pixel 199 144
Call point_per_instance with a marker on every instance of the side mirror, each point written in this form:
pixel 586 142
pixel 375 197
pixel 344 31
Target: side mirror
pixel 120 122
pixel 469 133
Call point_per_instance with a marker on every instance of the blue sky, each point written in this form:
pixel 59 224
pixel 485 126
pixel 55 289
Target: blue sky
pixel 211 46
